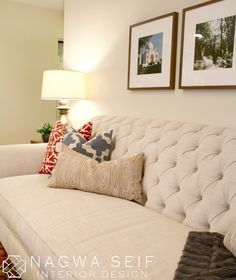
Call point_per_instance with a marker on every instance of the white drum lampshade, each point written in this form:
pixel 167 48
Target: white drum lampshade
pixel 63 85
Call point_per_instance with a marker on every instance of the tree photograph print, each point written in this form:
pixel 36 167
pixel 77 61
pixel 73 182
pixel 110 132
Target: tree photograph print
pixel 214 44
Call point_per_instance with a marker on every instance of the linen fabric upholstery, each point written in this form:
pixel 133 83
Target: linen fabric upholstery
pixel 190 169
pixel 230 239
pixel 21 159
pixel 55 139
pixel 64 222
pixel 98 147
pixel 120 178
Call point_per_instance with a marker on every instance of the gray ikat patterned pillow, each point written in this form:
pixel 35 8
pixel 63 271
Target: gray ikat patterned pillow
pixel 98 148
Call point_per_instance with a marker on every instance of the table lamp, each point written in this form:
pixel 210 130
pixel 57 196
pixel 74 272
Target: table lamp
pixel 63 85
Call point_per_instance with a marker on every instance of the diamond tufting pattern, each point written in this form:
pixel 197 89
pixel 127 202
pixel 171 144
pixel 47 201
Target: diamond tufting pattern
pixel 190 169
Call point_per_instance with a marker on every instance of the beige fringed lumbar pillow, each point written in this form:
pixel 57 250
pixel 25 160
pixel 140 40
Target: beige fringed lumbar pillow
pixel 230 240
pixel 120 178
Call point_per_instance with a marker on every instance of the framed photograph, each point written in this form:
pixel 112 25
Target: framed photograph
pixel 208 47
pixel 152 53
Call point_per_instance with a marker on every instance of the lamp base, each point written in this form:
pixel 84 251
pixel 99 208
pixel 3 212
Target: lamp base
pixel 63 109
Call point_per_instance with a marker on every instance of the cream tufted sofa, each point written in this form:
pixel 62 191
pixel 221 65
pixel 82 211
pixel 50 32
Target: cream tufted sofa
pixel 190 169
pixel 189 183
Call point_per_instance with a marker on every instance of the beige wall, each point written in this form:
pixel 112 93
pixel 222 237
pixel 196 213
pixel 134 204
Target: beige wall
pixel 96 40
pixel 28 46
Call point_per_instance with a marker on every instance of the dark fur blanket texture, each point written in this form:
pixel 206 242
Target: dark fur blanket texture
pixel 205 258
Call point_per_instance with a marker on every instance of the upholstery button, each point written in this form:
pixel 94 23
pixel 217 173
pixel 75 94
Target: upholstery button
pixel 227 207
pixel 163 205
pixel 178 188
pixel 208 226
pixel 174 163
pixel 220 176
pixel 195 169
pixel 183 215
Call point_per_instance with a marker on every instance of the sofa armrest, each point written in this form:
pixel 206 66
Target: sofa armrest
pixel 21 159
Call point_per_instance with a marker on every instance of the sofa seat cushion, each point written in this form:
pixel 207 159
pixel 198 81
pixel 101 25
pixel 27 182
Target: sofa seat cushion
pixel 63 222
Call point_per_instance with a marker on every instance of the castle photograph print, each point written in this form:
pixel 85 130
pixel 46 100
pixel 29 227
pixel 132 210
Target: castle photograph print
pixel 152 53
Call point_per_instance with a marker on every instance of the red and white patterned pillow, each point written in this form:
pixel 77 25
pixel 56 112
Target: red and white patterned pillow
pixel 50 158
pixel 56 138
pixel 86 131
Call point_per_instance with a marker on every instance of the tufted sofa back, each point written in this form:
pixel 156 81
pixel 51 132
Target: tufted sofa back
pixel 190 169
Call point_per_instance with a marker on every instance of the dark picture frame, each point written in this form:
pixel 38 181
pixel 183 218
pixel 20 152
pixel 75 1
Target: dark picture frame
pixel 208 46
pixel 152 53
